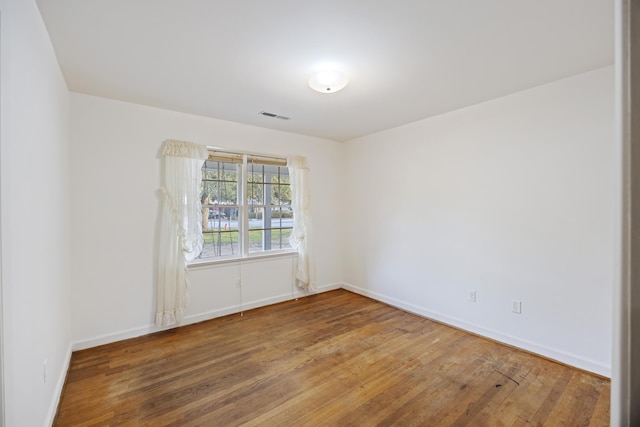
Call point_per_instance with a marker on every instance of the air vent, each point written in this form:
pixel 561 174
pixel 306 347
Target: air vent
pixel 275 116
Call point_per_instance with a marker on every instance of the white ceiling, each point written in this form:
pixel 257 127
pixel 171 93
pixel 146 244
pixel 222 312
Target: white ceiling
pixel 406 59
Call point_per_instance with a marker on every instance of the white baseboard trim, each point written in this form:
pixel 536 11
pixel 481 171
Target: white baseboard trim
pixel 330 287
pixel 196 318
pixel 550 353
pixel 57 393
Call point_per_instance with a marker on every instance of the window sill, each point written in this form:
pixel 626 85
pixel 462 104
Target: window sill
pixel 234 260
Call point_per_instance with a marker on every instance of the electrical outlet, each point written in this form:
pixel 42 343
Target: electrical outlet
pixel 238 284
pixel 516 306
pixel 472 296
pixel 44 371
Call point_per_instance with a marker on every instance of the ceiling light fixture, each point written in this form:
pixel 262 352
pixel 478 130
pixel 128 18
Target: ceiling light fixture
pixel 328 81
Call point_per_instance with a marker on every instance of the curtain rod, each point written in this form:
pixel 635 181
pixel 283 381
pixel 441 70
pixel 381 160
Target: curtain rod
pixel 266 156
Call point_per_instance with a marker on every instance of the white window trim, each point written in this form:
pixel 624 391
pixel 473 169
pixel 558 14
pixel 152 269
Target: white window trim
pixel 232 259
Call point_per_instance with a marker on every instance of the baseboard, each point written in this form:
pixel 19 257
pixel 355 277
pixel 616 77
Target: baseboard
pixel 57 393
pixel 196 318
pixel 541 350
pixel 330 287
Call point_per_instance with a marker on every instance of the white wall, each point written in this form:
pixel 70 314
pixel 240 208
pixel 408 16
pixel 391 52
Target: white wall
pixel 115 170
pixel 512 198
pixel 35 216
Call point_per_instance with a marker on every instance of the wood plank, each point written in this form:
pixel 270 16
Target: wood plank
pixel 335 358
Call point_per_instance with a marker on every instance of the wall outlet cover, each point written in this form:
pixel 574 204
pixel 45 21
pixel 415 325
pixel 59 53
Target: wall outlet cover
pixel 472 296
pixel 516 306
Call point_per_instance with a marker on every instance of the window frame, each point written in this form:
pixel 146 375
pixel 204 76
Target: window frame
pixel 243 160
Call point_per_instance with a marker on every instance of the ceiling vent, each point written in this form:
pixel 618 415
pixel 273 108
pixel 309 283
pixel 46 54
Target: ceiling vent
pixel 274 116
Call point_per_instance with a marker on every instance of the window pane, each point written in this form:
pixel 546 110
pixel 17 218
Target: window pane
pixel 255 194
pixel 220 182
pixel 222 243
pixel 217 169
pixel 280 175
pixel 219 217
pixel 281 217
pixel 270 228
pixel 280 195
pixel 280 239
pixel 209 173
pixel 255 173
pixel 228 193
pixel 281 226
pixel 220 209
pixel 255 240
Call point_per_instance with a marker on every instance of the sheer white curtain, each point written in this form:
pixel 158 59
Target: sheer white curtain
pixel 301 237
pixel 180 238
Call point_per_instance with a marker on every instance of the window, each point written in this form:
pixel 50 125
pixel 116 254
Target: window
pixel 246 205
pixel 220 209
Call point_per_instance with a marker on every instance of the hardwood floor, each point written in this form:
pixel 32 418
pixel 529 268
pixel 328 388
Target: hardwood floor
pixel 332 359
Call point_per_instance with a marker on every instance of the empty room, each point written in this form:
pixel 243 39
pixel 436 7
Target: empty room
pixel 333 213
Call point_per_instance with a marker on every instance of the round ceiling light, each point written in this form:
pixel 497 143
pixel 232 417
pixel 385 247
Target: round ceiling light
pixel 328 81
